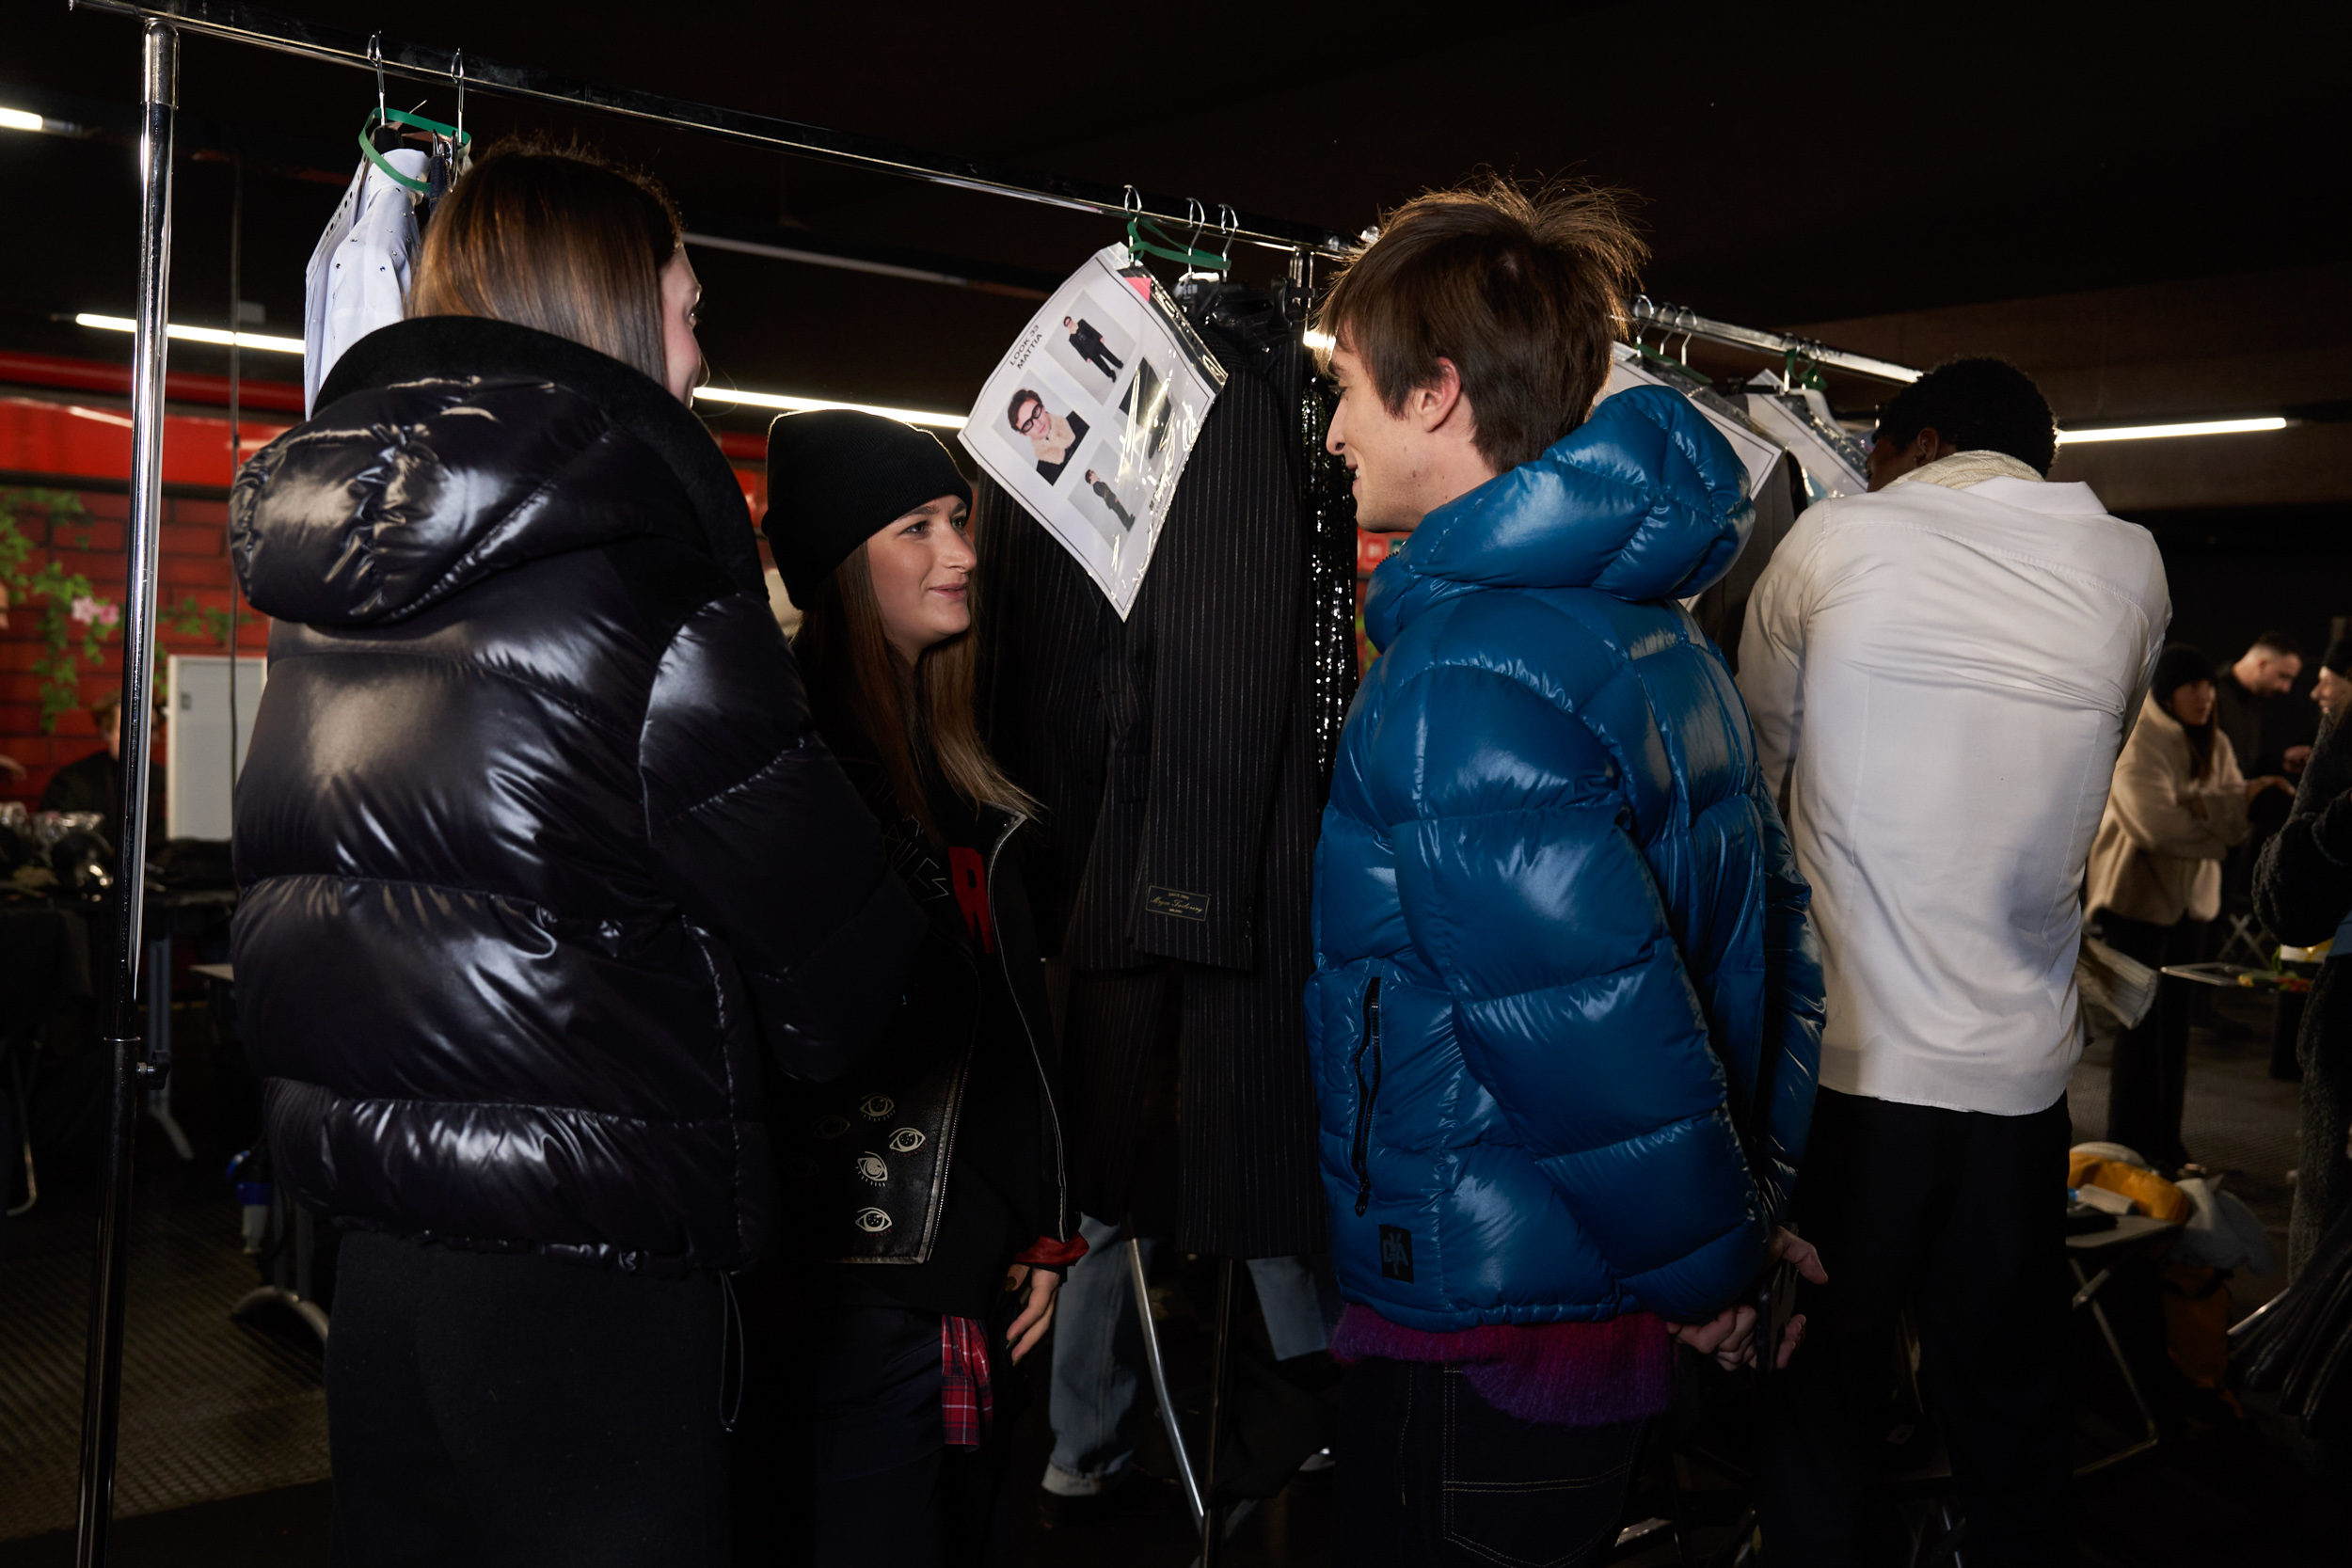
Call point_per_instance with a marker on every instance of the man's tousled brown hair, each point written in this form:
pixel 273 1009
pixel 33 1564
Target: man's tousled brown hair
pixel 1522 288
pixel 557 239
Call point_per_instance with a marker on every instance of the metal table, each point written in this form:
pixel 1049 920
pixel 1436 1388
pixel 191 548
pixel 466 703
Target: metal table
pixel 2130 1236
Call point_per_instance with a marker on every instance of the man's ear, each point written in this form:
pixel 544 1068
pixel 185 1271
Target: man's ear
pixel 1434 404
pixel 1929 446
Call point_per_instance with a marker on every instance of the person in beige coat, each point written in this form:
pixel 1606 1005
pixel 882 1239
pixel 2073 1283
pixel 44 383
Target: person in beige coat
pixel 2178 805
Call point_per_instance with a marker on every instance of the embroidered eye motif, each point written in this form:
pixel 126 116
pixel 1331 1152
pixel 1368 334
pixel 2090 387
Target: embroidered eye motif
pixel 831 1127
pixel 876 1107
pixel 871 1167
pixel 872 1221
pixel 906 1140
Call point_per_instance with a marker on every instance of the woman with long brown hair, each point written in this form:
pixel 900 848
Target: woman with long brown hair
pixel 2177 807
pixel 936 1162
pixel 541 861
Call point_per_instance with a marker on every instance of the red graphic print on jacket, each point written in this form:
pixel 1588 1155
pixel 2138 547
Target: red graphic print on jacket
pixel 969 874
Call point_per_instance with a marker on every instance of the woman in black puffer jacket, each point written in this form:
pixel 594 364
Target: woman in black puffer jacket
pixel 544 870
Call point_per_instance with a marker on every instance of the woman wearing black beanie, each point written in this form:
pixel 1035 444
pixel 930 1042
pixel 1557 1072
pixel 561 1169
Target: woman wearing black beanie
pixel 933 1172
pixel 2177 807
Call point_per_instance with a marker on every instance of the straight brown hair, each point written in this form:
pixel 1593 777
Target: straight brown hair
pixel 1522 289
pixel 855 677
pixel 557 239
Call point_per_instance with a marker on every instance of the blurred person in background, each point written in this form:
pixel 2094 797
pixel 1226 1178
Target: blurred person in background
pixel 545 872
pixel 2178 805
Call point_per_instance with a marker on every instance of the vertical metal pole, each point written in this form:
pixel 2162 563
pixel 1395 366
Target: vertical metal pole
pixel 1220 1384
pixel 102 1386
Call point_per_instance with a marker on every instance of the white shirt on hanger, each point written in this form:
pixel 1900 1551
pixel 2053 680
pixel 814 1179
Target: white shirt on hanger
pixel 357 279
pixel 1940 680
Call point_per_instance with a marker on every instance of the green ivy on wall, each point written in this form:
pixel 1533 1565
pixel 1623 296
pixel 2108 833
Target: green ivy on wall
pixel 73 619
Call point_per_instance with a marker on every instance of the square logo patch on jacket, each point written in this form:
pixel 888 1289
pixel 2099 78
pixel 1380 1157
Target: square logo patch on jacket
pixel 1396 1253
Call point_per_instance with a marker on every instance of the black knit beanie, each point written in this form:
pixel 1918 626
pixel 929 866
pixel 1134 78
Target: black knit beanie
pixel 834 477
pixel 2339 656
pixel 2181 664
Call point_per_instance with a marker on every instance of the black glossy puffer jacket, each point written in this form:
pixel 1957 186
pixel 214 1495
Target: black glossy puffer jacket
pixel 537 846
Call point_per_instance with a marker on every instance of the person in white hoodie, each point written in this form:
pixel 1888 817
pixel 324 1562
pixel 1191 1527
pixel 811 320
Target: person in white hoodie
pixel 1941 674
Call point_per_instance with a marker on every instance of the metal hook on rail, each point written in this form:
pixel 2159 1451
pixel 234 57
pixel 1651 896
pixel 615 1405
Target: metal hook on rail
pixel 1198 217
pixel 1227 221
pixel 457 74
pixel 376 58
pixel 1131 202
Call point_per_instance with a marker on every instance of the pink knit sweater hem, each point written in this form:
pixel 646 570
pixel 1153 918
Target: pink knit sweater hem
pixel 1564 1374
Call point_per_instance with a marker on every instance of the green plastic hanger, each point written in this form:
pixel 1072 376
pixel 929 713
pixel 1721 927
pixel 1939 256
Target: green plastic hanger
pixel 1163 246
pixel 460 139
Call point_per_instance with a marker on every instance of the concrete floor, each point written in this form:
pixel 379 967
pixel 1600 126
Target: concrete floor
pixel 250 1399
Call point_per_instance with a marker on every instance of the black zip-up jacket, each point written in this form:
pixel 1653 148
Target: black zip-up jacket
pixel 538 848
pixel 892 1146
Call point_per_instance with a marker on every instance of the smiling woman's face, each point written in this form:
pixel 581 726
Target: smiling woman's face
pixel 921 565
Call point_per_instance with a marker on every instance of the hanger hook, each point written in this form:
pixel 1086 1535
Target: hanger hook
pixel 1131 202
pixel 1197 215
pixel 1227 223
pixel 457 74
pixel 376 58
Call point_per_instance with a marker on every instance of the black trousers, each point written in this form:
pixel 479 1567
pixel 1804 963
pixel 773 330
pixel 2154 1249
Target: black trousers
pixel 1429 1473
pixel 512 1409
pixel 1960 1216
pixel 2148 1083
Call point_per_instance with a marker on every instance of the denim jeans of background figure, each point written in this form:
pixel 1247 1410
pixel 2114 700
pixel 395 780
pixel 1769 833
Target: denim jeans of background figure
pixel 1098 1371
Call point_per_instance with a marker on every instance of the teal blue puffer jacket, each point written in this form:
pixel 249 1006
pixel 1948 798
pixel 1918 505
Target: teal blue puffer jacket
pixel 1567 1005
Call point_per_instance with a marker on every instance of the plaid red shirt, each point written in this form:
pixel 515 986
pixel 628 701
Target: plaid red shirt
pixel 965 1396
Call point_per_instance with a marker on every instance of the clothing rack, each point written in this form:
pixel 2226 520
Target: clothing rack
pixel 1675 321
pixel 137 1065
pixel 289 35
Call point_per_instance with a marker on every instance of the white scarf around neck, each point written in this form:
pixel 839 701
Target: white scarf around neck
pixel 1963 469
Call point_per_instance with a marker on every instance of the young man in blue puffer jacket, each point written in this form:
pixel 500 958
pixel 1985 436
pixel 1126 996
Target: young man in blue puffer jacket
pixel 1567 1003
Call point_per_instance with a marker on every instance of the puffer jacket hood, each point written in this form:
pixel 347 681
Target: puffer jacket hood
pixel 1567 1009
pixel 460 485
pixel 542 862
pixel 1644 501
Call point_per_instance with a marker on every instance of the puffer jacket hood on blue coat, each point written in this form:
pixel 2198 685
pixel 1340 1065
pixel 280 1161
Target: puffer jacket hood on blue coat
pixel 1567 1007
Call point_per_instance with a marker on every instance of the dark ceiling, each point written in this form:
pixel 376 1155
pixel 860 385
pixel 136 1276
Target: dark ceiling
pixel 1794 164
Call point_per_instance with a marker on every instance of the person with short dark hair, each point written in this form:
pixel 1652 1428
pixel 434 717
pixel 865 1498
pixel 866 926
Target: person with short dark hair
pixel 94 783
pixel 1053 437
pixel 2267 668
pixel 1087 339
pixel 1565 1002
pixel 1941 673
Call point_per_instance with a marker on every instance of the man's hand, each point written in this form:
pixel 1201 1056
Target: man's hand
pixel 2298 757
pixel 1729 1335
pixel 2254 787
pixel 1037 1312
pixel 1788 1244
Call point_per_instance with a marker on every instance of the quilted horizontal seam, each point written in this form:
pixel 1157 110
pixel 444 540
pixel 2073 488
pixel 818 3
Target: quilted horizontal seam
pixel 1643 960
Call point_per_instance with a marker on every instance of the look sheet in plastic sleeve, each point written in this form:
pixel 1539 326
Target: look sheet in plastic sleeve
pixel 1090 417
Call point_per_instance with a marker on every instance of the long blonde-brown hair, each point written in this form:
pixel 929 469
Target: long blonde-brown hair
pixel 554 238
pixel 854 676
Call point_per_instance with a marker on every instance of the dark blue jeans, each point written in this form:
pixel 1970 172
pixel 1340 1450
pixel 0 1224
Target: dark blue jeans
pixel 1429 1473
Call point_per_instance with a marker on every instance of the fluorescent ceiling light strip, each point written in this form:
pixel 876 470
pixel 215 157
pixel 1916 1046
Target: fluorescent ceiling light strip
pixel 802 405
pixel 2155 431
pixel 196 334
pixel 17 119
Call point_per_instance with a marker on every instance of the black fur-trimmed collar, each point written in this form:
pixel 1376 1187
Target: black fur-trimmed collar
pixel 429 347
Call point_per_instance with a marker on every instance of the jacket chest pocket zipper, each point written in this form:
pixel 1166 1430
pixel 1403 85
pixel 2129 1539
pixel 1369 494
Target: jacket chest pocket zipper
pixel 1366 1093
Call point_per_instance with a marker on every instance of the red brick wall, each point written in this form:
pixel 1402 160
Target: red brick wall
pixel 193 561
